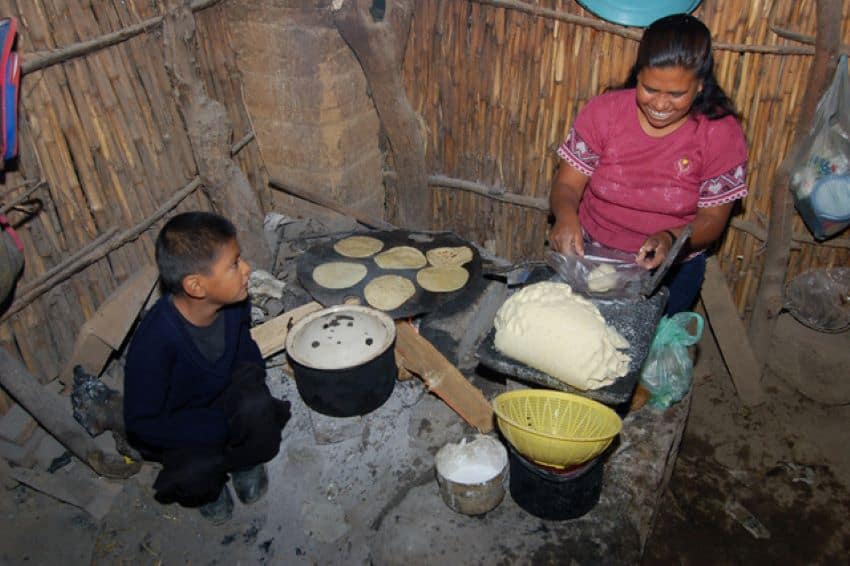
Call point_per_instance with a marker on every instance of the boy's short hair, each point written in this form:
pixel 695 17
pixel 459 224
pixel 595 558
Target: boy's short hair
pixel 188 244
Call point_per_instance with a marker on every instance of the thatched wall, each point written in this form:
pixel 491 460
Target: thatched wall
pixel 106 135
pixel 498 90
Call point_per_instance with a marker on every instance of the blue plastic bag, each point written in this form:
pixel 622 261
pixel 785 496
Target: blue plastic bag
pixel 668 371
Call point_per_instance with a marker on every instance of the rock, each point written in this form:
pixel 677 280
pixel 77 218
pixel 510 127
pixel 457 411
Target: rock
pixel 263 286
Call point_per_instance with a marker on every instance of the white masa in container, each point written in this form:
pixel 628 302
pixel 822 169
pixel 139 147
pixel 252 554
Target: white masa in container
pixel 472 474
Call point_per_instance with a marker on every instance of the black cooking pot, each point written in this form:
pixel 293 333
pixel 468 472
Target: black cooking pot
pixel 343 359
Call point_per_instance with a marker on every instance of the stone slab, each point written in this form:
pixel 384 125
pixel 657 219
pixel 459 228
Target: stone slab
pixel 22 455
pixel 17 425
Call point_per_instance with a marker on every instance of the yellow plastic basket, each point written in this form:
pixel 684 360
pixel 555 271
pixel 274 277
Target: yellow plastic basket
pixel 554 428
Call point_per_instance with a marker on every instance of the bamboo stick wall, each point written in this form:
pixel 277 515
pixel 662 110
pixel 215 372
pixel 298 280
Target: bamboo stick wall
pixel 105 133
pixel 498 90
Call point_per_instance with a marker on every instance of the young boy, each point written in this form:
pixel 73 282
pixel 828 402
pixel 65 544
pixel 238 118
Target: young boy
pixel 195 396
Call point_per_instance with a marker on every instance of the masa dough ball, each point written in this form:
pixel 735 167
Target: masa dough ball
pixel 401 257
pixel 602 278
pixel 548 327
pixel 358 246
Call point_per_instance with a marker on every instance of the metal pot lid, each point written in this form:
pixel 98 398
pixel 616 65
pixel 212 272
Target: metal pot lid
pixel 340 337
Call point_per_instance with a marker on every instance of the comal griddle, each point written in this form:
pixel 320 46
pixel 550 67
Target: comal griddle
pixel 421 302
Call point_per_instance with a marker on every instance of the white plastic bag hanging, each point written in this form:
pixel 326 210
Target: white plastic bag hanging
pixel 820 169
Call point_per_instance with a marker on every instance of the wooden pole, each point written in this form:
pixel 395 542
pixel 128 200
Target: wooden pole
pixel 379 46
pixel 330 205
pixel 209 129
pixel 41 59
pixel 802 38
pixel 621 31
pixel 52 412
pixel 95 251
pixel 771 290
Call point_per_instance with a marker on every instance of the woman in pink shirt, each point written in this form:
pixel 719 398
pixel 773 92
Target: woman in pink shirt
pixel 642 162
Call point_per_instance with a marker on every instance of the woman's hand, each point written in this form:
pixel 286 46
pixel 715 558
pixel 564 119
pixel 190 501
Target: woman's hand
pixel 566 237
pixel 654 250
pixel 707 227
pixel 567 187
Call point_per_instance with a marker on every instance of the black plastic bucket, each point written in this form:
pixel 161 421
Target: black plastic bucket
pixel 552 495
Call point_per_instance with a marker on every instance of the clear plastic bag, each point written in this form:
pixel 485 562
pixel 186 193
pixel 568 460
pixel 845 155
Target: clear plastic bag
pixel 602 272
pixel 820 167
pixel 668 371
pixel 820 299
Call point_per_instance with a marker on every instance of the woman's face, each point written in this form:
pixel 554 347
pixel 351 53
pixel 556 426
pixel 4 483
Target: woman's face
pixel 665 96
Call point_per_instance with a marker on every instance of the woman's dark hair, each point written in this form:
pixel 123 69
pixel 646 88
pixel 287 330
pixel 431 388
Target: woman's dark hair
pixel 681 40
pixel 189 243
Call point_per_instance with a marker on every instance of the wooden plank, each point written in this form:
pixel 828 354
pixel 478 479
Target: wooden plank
pixel 442 378
pixel 270 336
pixel 730 334
pixel 106 330
pixel 93 495
pixel 17 426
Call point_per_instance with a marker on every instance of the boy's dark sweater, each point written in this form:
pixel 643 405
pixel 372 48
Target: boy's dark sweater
pixel 169 386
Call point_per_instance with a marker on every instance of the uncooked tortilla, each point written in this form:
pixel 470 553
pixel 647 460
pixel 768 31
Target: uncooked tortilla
pixel 358 246
pixel 443 279
pixel 388 292
pixel 548 327
pixel 449 255
pixel 339 274
pixel 401 257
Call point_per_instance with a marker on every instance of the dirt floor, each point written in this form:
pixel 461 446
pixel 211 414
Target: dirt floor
pixel 751 486
pixel 770 484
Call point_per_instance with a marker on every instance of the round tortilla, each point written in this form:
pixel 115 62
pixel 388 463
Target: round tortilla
pixel 339 274
pixel 388 292
pixel 449 255
pixel 358 246
pixel 442 279
pixel 401 257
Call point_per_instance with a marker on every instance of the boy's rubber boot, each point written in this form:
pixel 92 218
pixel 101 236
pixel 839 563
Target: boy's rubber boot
pixel 220 510
pixel 251 484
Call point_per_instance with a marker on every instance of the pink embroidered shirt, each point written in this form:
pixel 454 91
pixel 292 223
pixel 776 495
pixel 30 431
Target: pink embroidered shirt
pixel 640 185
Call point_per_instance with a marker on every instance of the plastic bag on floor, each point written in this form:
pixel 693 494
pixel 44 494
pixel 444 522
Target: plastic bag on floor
pixel 820 168
pixel 668 371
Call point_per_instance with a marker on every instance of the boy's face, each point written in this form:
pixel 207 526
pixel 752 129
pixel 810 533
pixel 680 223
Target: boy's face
pixel 227 279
